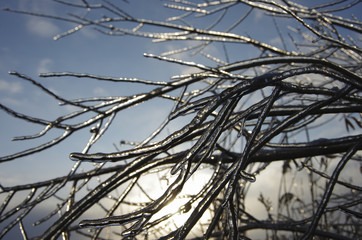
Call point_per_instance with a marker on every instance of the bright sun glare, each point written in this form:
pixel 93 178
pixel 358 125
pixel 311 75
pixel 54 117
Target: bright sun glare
pixel 192 187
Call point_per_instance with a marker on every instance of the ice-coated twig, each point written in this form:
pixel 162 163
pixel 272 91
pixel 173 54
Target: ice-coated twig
pixel 252 102
pixel 329 189
pixel 103 78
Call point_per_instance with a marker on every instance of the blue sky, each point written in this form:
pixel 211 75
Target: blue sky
pixel 27 46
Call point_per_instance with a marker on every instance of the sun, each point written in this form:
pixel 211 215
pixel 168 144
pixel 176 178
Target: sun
pixel 179 210
pixel 177 217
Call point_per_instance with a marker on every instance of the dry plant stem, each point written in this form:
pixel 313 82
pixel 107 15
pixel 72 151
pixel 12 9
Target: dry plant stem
pixel 329 189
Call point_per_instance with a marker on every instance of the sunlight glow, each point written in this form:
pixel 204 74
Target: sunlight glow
pixel 179 210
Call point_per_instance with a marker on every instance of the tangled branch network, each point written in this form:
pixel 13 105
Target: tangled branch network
pixel 240 116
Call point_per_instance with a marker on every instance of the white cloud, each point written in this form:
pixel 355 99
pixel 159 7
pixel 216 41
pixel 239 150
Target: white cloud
pixel 45 27
pixel 99 91
pixel 11 102
pixel 42 27
pixel 10 87
pixel 44 65
pixel 70 108
pixel 186 71
pixel 259 14
pixel 88 33
pixel 37 6
pixel 276 41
